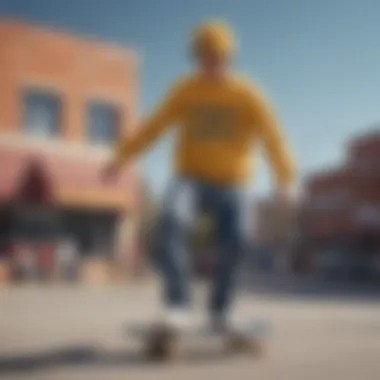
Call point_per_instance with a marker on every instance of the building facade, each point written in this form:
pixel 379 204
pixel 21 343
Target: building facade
pixel 342 205
pixel 65 101
pixel 346 200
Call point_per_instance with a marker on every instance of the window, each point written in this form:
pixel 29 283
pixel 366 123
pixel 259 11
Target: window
pixel 36 224
pixel 103 123
pixel 92 231
pixel 42 113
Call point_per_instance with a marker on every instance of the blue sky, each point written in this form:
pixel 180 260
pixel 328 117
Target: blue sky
pixel 318 60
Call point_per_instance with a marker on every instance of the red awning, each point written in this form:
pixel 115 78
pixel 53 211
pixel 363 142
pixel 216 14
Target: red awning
pixel 12 165
pixel 67 176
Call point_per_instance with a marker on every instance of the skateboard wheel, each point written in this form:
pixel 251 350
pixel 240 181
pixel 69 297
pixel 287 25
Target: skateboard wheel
pixel 243 345
pixel 167 352
pixel 163 344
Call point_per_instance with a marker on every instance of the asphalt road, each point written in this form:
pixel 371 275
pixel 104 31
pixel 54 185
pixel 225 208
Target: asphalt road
pixel 80 333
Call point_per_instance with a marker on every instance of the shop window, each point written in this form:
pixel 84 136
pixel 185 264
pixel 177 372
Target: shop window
pixel 42 113
pixel 103 123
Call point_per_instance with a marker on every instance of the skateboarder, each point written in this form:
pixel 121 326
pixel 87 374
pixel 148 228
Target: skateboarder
pixel 220 119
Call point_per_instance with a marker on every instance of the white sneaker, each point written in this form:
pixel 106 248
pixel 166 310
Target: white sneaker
pixel 177 318
pixel 220 324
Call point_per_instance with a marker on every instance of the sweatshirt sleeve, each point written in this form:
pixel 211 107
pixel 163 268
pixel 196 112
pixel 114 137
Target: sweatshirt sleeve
pixel 166 115
pixel 272 137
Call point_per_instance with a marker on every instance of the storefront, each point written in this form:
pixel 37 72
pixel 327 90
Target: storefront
pixel 41 212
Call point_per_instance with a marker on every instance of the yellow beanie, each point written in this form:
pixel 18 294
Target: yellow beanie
pixel 213 37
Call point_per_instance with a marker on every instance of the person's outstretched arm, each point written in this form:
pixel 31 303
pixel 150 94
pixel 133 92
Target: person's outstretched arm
pixel 166 115
pixel 272 137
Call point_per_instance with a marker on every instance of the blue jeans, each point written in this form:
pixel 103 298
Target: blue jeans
pixel 184 201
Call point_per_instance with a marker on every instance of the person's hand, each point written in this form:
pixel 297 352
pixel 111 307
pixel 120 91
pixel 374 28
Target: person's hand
pixel 110 171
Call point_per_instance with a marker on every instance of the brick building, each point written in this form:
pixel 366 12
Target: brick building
pixel 64 102
pixel 342 205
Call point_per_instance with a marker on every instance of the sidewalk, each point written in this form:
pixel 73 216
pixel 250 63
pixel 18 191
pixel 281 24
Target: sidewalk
pixel 307 286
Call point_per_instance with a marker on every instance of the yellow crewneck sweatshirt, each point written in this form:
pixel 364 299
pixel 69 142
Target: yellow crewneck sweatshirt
pixel 220 121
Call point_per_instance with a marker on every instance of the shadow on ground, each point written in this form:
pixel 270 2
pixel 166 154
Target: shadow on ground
pixel 89 357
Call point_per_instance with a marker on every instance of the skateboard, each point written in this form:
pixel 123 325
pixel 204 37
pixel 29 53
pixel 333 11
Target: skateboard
pixel 165 344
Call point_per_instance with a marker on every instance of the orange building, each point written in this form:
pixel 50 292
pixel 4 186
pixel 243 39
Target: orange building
pixel 64 102
pixel 344 203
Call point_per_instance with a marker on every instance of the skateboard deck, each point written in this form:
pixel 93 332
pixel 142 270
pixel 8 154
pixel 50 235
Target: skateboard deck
pixel 248 337
pixel 252 329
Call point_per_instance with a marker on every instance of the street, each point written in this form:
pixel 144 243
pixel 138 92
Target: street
pixel 79 332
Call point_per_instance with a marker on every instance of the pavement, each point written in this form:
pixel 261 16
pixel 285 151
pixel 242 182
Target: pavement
pixel 79 332
pixel 309 286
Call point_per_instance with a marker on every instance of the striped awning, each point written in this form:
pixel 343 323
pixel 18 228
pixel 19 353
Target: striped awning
pixel 66 179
